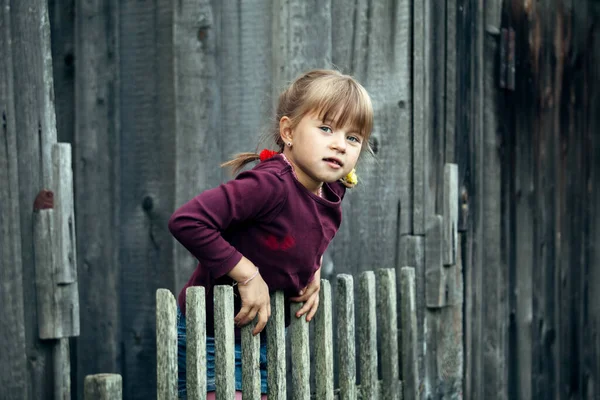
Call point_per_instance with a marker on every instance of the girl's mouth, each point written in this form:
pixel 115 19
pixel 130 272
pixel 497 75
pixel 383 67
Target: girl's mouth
pixel 333 163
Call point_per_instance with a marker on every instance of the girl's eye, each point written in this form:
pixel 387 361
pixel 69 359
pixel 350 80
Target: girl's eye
pixel 325 129
pixel 354 139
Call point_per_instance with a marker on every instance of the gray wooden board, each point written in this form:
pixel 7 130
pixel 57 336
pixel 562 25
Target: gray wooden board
pixel 195 318
pixel 300 354
pixel 62 25
pixel 197 144
pixel 103 387
pixel 435 273
pixel 494 304
pixel 147 185
pixel 346 337
pixel 324 344
pixel 224 343
pixel 244 36
pixel 436 140
pixel 408 339
pixel 371 208
pixel 387 333
pixel 451 71
pixel 166 345
pixel 33 94
pixel 367 334
pixel 524 249
pixel 96 167
pixel 412 254
pixel 14 376
pixel 276 359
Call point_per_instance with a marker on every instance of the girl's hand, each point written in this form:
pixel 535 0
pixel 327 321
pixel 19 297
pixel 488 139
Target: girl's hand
pixel 310 297
pixel 254 295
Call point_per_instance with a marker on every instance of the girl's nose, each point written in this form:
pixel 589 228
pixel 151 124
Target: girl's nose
pixel 339 143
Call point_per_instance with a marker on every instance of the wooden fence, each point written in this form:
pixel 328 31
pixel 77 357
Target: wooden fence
pixel 375 324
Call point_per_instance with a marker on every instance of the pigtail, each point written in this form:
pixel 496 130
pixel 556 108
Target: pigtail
pixel 240 160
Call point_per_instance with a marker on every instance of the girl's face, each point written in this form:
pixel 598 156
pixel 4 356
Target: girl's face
pixel 321 151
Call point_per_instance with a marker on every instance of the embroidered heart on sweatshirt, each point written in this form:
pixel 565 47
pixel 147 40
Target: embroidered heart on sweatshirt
pixel 285 243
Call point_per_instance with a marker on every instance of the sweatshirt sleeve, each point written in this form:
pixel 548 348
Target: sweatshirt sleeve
pixel 198 225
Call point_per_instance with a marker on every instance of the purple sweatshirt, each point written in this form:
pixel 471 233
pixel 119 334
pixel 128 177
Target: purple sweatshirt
pixel 266 215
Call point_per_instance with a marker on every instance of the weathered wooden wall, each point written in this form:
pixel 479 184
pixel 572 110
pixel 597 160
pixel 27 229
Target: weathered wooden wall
pixel 153 95
pixel 530 124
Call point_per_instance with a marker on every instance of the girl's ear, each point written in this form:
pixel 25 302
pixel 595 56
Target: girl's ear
pixel 285 129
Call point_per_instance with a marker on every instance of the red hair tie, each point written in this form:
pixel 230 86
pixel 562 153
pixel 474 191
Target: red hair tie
pixel 266 154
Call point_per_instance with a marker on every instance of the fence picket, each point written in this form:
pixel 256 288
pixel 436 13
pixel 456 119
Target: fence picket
pixel 224 343
pixel 408 312
pixel 195 342
pixel 166 345
pixel 386 311
pixel 367 336
pixel 276 383
pixel 345 330
pixel 324 344
pixel 250 362
pixel 300 354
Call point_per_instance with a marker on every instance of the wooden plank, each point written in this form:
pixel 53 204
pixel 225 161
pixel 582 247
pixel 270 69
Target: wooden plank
pixel 409 337
pixel 367 335
pixel 196 107
pixel 35 123
pixel 324 344
pixel 412 254
pixel 388 332
pixel 346 337
pixel 300 354
pixel 224 343
pixel 14 378
pixel 146 184
pixel 62 369
pixel 195 320
pixel 301 39
pixel 166 345
pixel 495 311
pixel 451 71
pixel 450 206
pixel 96 127
pixel 524 242
pixel 435 275
pixel 435 143
pixel 422 106
pixel 250 362
pixel 62 34
pixel 103 387
pixel 276 370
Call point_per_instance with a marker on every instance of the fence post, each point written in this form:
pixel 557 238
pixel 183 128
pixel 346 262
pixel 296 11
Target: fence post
pixel 166 345
pixel 224 343
pixel 300 354
pixel 345 329
pixel 367 336
pixel 324 344
pixel 103 387
pixel 276 349
pixel 386 310
pixel 195 318
pixel 250 362
pixel 408 312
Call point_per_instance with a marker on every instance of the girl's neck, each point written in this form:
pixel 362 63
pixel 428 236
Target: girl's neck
pixel 314 187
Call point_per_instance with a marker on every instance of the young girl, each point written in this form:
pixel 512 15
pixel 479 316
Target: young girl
pixel 267 229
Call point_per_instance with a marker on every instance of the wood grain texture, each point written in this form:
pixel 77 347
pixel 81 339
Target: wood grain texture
pixel 195 319
pixel 367 334
pixel 276 359
pixel 33 92
pixel 346 337
pixel 166 345
pixel 96 166
pixel 388 333
pixel 197 110
pixel 224 343
pixel 409 334
pixel 300 354
pixel 324 373
pixel 103 387
pixel 61 367
pixel 450 213
pixel 146 181
pixel 250 362
pixel 435 273
pixel 13 358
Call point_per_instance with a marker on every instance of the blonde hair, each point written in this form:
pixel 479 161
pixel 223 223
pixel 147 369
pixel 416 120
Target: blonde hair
pixel 329 93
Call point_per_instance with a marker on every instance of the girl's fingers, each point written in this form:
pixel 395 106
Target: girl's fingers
pixel 241 316
pixel 263 317
pixel 313 310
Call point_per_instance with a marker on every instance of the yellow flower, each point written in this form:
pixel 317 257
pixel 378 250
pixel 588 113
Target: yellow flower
pixel 351 179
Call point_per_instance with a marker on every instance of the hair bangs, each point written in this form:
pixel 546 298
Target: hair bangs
pixel 341 102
